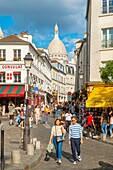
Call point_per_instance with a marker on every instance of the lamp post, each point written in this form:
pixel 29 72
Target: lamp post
pixel 26 138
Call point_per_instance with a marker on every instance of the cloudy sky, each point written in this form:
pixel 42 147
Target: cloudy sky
pixel 39 17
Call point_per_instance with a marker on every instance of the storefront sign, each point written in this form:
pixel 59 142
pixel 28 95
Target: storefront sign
pixel 11 67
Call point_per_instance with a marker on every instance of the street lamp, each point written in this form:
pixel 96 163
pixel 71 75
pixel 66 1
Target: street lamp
pixel 26 138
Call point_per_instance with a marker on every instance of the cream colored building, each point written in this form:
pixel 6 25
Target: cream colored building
pixel 95 50
pixel 99 17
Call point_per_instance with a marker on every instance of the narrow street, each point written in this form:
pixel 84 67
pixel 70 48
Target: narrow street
pixel 95 155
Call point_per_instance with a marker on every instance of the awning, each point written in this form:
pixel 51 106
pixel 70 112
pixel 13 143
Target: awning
pixel 12 91
pixel 16 72
pixel 100 97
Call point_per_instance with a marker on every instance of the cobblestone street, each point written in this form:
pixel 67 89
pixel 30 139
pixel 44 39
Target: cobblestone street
pixel 95 154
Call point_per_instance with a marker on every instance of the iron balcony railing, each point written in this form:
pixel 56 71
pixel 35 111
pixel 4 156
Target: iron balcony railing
pixel 107 43
pixel 107 10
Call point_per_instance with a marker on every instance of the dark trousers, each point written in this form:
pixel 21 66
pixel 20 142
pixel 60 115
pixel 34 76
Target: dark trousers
pixel 75 147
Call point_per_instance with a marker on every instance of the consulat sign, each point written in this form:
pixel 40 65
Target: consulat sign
pixel 6 67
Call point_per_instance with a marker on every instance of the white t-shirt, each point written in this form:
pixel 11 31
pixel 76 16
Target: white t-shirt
pixel 68 116
pixel 37 111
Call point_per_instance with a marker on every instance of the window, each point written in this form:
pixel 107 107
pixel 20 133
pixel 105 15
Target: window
pixel 17 55
pixel 17 76
pixel 2 55
pixel 69 70
pixel 2 77
pixel 9 76
pixel 107 6
pixel 107 41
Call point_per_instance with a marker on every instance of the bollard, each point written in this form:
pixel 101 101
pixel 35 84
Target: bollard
pixel 30 149
pixel 2 149
pixel 16 157
pixel 31 140
pixel 34 141
pixel 37 144
pixel 103 137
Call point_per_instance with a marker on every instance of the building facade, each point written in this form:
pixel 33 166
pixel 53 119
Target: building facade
pixel 13 76
pixel 96 49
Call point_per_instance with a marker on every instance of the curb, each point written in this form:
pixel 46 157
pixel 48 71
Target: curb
pixel 106 142
pixel 34 160
pixel 28 166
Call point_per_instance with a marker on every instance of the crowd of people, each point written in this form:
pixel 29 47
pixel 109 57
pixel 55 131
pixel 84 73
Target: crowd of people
pixel 69 118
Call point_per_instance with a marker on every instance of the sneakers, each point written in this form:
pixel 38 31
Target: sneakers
pixel 74 163
pixel 79 158
pixel 59 161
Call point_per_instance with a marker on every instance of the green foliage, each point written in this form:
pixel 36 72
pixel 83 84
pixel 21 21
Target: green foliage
pixel 107 72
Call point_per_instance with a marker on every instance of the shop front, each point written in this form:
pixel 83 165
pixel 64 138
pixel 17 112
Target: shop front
pixel 101 96
pixel 14 93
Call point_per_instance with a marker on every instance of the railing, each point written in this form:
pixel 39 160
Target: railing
pixel 107 10
pixel 107 43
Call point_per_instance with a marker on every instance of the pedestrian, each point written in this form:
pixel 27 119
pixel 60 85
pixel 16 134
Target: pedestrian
pixel 90 126
pixel 111 125
pixel 68 116
pixel 75 139
pixel 53 111
pixel 37 114
pixel 104 121
pixel 46 112
pixel 11 107
pixel 56 132
pixel 3 110
pixel 30 115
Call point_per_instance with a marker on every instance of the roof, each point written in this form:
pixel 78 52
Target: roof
pixel 12 38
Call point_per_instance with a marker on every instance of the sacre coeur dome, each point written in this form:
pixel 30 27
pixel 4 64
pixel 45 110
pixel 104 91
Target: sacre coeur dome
pixel 56 46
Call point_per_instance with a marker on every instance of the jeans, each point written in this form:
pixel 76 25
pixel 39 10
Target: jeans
pixel 75 146
pixel 111 128
pixel 58 147
pixel 104 128
pixel 46 117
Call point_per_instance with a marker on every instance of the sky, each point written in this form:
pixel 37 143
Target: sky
pixel 39 17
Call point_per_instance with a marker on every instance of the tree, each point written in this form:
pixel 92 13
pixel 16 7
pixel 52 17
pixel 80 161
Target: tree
pixel 107 72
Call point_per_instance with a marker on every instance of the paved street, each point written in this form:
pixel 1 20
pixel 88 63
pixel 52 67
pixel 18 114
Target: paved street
pixel 95 155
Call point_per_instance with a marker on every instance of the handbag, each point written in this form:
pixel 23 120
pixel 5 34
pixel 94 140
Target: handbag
pixel 60 138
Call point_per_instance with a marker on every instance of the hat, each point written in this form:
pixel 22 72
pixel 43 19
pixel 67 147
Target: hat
pixel 49 147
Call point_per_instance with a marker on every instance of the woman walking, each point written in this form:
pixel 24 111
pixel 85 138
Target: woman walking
pixel 57 131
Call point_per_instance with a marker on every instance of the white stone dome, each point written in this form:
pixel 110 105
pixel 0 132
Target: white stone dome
pixel 56 46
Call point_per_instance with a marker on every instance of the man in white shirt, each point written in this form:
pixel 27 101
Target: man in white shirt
pixel 68 119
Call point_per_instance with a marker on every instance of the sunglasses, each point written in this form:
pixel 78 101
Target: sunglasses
pixel 73 119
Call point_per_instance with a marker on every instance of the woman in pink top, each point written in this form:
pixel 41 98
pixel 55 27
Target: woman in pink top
pixel 111 125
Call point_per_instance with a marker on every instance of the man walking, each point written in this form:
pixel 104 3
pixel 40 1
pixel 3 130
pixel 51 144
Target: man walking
pixel 75 139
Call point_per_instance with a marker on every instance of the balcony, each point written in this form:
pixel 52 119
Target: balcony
pixel 107 10
pixel 107 44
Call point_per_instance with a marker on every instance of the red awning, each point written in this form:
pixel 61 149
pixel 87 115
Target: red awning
pixel 2 73
pixel 12 91
pixel 16 72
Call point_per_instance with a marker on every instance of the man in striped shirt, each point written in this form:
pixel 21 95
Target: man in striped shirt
pixel 75 138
